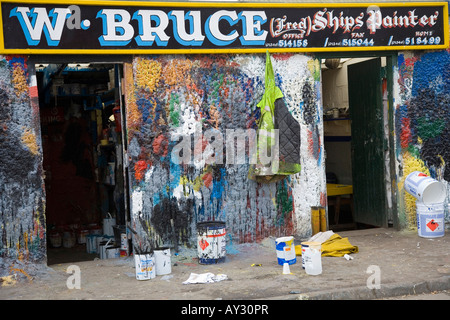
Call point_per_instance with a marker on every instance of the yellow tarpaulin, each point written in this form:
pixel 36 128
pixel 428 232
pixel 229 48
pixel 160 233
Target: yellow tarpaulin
pixel 335 246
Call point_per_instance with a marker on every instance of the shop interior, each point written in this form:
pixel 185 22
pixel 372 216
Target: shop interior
pixel 338 143
pixel 80 111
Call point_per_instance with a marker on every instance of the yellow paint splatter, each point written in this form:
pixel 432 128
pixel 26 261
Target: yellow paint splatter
pixel 19 80
pixel 176 72
pixel 29 139
pixel 8 281
pixel 314 68
pixel 133 114
pixel 147 74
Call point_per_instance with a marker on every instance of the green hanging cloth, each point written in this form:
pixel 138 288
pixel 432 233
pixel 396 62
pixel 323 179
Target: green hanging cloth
pixel 278 146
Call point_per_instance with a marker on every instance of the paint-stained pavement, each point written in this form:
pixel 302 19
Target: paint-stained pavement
pixel 408 264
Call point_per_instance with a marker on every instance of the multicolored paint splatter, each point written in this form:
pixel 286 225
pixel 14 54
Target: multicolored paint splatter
pixel 180 98
pixel 22 223
pixel 422 118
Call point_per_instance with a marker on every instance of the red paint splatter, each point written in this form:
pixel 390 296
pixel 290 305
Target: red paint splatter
pixel 139 169
pixel 207 179
pixel 405 135
pixel 160 145
pixel 323 199
pixel 282 56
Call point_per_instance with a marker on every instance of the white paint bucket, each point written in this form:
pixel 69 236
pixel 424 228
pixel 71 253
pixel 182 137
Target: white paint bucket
pixel 123 242
pixel 81 239
pixel 69 239
pixel 145 266
pixel 55 240
pixel 112 252
pixel 108 224
pixel 162 261
pixel 424 188
pixel 211 244
pixel 102 248
pixel 285 250
pixel 430 220
pixel 91 243
pixel 313 259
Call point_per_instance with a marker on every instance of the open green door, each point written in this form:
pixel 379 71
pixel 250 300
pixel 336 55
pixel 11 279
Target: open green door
pixel 366 113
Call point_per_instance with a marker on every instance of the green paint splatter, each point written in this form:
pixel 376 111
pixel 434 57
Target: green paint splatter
pixel 284 201
pixel 174 109
pixel 427 129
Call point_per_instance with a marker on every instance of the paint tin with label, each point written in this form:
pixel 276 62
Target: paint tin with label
pixel 211 242
pixel 145 266
pixel 430 220
pixel 162 261
pixel 285 250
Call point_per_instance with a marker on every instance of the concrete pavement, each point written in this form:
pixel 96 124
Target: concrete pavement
pixel 389 263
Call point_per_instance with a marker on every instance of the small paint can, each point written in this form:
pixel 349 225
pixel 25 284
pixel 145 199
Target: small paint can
pixel 81 239
pixel 145 266
pixel 112 252
pixel 211 242
pixel 68 239
pixel 162 261
pixel 91 243
pixel 55 240
pixel 123 242
pixel 285 250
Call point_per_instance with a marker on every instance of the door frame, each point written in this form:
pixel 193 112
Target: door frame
pixel 390 217
pixel 34 60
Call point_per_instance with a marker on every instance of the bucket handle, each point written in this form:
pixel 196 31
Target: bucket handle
pixel 106 245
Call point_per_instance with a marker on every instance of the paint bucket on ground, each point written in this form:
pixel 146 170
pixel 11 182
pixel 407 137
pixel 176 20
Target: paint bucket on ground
pixel 145 266
pixel 108 224
pixel 95 229
pixel 285 250
pixel 162 261
pixel 81 236
pixel 68 239
pixel 91 243
pixel 55 240
pixel 430 220
pixel 124 242
pixel 102 248
pixel 112 252
pixel 424 188
pixel 211 242
pixel 313 258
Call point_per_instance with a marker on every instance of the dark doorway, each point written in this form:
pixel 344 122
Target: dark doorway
pixel 356 139
pixel 80 112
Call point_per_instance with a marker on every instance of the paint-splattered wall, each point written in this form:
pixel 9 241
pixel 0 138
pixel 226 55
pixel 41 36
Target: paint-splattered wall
pixel 174 98
pixel 422 122
pixel 22 222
